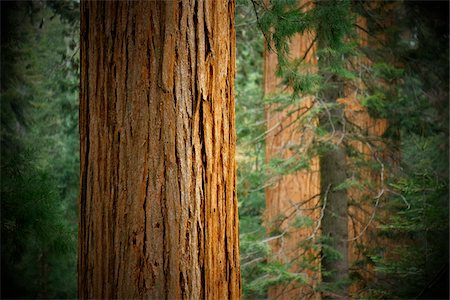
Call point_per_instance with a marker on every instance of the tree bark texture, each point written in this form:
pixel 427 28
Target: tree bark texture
pixel 295 195
pixel 334 223
pixel 158 209
pixel 333 172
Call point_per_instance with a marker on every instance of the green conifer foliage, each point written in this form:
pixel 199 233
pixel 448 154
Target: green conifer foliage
pixel 416 105
pixel 39 154
pixel 250 151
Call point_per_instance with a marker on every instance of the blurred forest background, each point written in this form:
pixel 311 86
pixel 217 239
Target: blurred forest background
pixel 39 148
pixel 406 84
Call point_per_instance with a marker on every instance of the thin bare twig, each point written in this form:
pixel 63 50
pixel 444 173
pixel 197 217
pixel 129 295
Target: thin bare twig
pixel 273 237
pixel 329 118
pixel 401 196
pixel 309 47
pixel 377 197
pixel 258 259
pixel 322 212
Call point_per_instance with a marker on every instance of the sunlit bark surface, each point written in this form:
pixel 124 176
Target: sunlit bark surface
pixel 158 210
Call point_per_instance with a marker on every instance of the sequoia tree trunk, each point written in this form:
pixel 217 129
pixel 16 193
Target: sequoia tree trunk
pixel 158 210
pixel 293 196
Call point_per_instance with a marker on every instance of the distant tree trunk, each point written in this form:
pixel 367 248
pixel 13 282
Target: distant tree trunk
pixel 334 223
pixel 352 223
pixel 158 210
pixel 292 196
pixel 333 172
pixel 349 225
pixel 367 212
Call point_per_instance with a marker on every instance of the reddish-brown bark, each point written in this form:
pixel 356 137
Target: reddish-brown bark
pixel 295 195
pixel 367 209
pixel 158 210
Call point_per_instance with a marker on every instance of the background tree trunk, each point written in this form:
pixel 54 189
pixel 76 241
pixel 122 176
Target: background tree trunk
pixel 158 210
pixel 333 172
pixel 334 222
pixel 366 212
pixel 297 195
pixel 348 213
pixel 333 165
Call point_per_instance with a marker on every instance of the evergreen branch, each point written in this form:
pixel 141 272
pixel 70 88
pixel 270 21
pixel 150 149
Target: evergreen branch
pixel 369 222
pixel 274 237
pixel 309 47
pixel 256 260
pixel 295 205
pixel 285 290
pixel 403 197
pixel 268 184
pixel 329 119
pixel 262 136
pixel 60 66
pixel 363 213
pixel 307 109
pixel 373 16
pixel 377 197
pixel 379 41
pixel 265 133
pixel 245 24
pixel 258 21
pixel 362 138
